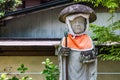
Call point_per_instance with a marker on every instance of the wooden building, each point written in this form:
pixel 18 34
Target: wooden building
pixel 29 36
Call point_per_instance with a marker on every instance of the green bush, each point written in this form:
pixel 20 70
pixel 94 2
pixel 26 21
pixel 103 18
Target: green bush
pixel 106 35
pixel 51 70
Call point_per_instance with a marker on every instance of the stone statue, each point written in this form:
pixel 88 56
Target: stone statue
pixel 77 56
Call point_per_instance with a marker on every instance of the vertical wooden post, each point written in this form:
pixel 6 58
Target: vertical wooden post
pixel 66 57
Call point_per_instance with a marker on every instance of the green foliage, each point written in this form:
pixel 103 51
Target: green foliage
pixel 22 68
pixel 26 78
pixel 115 25
pixel 105 34
pixel 51 70
pixel 3 77
pixel 110 4
pixel 113 53
pixel 8 5
pixel 14 78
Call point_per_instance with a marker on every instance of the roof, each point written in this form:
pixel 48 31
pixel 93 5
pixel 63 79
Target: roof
pixel 21 12
pixel 42 6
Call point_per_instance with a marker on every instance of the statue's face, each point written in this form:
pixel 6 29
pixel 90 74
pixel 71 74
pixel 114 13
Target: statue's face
pixel 78 25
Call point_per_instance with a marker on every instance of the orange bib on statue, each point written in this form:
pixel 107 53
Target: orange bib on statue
pixel 79 42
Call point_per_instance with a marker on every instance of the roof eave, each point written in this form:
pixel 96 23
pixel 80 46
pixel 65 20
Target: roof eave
pixel 37 7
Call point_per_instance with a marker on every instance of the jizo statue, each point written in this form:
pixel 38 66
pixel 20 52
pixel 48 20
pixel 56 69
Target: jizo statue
pixel 77 56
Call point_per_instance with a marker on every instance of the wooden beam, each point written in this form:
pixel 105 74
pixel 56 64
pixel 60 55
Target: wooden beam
pixel 28 47
pixel 29 43
pixel 27 51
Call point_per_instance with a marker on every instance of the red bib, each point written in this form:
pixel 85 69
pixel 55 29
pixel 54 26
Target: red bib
pixel 79 42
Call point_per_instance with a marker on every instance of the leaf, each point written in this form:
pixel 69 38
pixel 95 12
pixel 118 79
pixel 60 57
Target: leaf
pixel 22 68
pixel 14 78
pixel 25 69
pixel 22 65
pixel 51 71
pixel 19 69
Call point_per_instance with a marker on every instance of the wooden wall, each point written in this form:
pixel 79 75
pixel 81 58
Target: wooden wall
pixel 45 24
pixel 38 25
pixel 33 63
pixel 107 70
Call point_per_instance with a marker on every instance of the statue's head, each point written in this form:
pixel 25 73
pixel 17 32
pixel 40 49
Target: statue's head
pixel 77 17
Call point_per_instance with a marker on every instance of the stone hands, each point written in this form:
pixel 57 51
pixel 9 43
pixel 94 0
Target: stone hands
pixel 65 51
